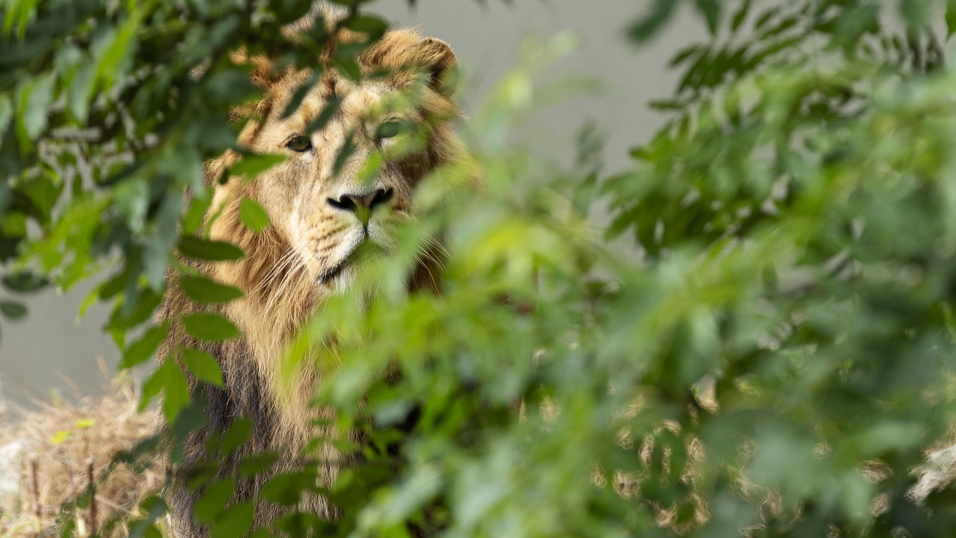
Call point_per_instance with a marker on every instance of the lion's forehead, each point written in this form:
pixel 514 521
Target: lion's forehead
pixel 355 101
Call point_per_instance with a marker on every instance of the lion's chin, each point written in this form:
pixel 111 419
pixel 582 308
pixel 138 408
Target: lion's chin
pixel 343 279
pixel 330 276
pixel 341 276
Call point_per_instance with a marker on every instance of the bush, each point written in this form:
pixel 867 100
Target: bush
pixel 777 361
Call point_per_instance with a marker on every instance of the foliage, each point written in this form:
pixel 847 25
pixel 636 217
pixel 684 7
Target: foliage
pixel 777 360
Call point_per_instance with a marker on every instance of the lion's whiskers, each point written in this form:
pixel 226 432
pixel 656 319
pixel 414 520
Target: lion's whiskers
pixel 272 274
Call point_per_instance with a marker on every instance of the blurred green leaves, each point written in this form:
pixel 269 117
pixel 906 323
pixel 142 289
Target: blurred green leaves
pixel 210 327
pixel 771 323
pixel 204 249
pixel 202 366
pixel 204 290
pixel 779 333
pixel 253 165
pixel 213 501
pixel 653 21
pixel 253 215
pixel 144 348
pixel 169 381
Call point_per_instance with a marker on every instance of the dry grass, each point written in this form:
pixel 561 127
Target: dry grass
pixel 52 452
pixel 49 452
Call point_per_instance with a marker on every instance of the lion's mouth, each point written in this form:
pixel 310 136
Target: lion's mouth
pixel 331 274
pixel 364 250
pixel 345 263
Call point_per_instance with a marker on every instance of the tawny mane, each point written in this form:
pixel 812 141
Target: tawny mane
pixel 280 292
pixel 283 274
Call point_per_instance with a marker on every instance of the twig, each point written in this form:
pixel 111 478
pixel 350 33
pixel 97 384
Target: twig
pixel 36 495
pixel 89 472
pixel 69 472
pixel 111 504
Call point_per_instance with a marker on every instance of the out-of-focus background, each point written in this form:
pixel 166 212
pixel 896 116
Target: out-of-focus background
pixel 52 350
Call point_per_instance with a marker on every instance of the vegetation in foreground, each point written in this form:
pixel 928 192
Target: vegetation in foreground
pixel 778 361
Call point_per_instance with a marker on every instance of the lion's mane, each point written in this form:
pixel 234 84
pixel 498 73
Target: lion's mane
pixel 276 304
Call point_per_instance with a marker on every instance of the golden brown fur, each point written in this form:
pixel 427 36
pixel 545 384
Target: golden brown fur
pixel 281 276
pixel 303 256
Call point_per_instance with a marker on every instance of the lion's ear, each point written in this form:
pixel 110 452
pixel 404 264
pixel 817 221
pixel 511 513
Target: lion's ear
pixel 436 56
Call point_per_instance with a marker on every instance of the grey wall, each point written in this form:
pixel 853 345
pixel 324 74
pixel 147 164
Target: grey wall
pixel 485 36
pixel 51 349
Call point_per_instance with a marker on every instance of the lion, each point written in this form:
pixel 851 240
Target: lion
pixel 320 213
pixel 319 217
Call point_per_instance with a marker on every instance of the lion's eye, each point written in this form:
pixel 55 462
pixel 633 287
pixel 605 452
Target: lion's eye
pixel 299 143
pixel 388 129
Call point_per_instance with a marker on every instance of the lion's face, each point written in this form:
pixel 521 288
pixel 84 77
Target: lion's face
pixel 326 214
pixel 325 202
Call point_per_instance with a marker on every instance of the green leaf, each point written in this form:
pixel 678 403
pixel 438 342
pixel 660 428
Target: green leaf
pixel 214 134
pixel 213 501
pixel 235 522
pixel 915 12
pixel 144 529
pixel 346 151
pixel 154 508
pixel 13 310
pixel 169 380
pixel 210 327
pixel 372 26
pixel 292 10
pixel 389 129
pixel 300 94
pixel 6 115
pixel 229 86
pixel 328 111
pixel 766 17
pixel 711 11
pixel 131 198
pixel 950 18
pixel 183 162
pixel 740 16
pixel 109 288
pixel 652 22
pixel 236 435
pixel 25 282
pixel 205 249
pixel 257 463
pixel 193 219
pixel 204 290
pixel 80 88
pixel 252 165
pixel 161 241
pixel 35 100
pixel 349 67
pixel 137 307
pixel 685 54
pixel 111 62
pixel 286 488
pixel 143 348
pixel 22 13
pixel 202 365
pixel 253 215
pixel 44 191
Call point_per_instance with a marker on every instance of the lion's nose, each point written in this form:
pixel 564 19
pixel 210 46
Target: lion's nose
pixel 362 204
